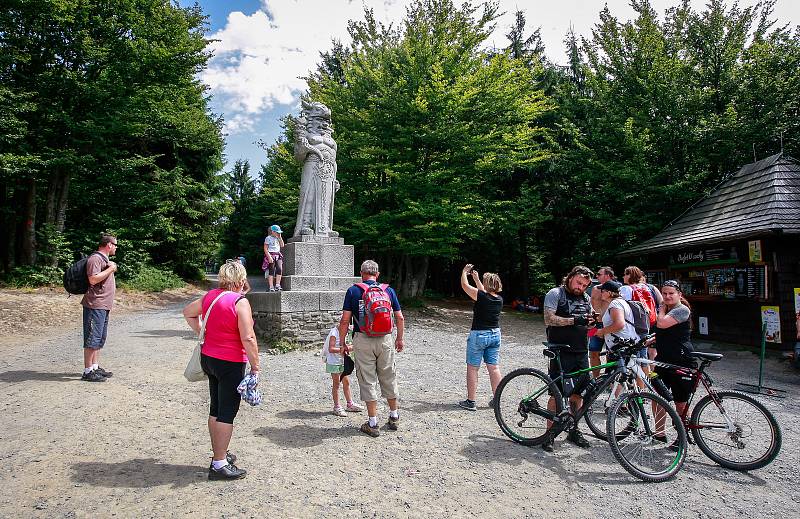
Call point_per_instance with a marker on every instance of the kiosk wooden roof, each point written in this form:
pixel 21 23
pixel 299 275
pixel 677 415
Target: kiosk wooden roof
pixel 761 198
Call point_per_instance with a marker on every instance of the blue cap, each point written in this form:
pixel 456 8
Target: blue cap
pixel 276 228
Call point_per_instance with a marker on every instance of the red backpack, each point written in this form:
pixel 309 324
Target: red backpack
pixel 376 319
pixel 641 293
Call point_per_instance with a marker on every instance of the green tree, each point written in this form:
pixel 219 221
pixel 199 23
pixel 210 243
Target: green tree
pixel 429 127
pixel 117 135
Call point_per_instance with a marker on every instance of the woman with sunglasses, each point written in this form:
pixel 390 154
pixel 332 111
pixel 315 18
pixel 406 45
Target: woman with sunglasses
pixel 674 342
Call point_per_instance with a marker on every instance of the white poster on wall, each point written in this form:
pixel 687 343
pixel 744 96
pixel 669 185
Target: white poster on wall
pixel 702 323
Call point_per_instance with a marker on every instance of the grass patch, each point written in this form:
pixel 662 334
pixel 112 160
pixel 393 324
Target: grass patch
pixel 151 279
pixel 35 276
pixel 283 346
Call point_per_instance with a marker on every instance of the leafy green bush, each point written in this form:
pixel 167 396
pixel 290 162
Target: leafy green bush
pixel 35 276
pixel 152 279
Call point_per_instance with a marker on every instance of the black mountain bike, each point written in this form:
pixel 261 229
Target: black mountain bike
pixel 641 425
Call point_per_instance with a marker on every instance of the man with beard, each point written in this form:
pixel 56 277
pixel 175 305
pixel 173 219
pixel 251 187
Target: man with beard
pixel 568 316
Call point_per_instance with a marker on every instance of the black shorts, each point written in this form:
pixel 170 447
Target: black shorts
pixel 570 362
pixel 680 385
pixel 224 377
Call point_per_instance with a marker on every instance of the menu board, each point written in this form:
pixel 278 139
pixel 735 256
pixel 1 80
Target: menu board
pixel 656 277
pixel 730 282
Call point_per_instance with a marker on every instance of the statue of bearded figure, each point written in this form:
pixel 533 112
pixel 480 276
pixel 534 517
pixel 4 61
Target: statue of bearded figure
pixel 316 150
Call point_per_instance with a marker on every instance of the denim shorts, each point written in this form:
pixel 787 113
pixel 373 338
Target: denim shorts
pixel 95 327
pixel 596 343
pixel 483 345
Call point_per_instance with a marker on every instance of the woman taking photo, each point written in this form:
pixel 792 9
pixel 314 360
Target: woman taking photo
pixel 484 338
pixel 673 342
pixel 230 342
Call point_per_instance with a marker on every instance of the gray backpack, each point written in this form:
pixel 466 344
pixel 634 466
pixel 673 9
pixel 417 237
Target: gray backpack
pixel 641 317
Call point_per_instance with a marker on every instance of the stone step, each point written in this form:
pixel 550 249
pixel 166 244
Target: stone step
pixel 318 283
pixel 317 259
pixel 293 301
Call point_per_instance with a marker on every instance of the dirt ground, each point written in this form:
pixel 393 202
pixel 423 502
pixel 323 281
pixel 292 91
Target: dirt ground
pixel 137 445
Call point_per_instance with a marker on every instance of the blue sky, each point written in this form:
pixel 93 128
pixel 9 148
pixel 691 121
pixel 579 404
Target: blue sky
pixel 264 47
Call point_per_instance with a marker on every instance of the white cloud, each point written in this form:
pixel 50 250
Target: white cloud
pixel 260 58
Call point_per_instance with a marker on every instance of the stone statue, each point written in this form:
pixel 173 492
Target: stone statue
pixel 316 150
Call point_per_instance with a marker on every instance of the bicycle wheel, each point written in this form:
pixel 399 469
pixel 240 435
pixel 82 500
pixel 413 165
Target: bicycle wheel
pixel 753 444
pixel 597 413
pixel 517 398
pixel 654 447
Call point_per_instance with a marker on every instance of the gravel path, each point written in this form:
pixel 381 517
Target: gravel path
pixel 136 446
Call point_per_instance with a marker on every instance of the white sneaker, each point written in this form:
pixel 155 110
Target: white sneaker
pixel 338 411
pixel 354 408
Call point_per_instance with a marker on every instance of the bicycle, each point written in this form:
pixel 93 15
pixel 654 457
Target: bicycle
pixel 521 410
pixel 719 422
pixel 732 428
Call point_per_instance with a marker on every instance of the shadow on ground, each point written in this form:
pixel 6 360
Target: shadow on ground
pixel 43 376
pixel 186 334
pixel 420 407
pixel 300 414
pixel 571 467
pixel 136 473
pixel 305 436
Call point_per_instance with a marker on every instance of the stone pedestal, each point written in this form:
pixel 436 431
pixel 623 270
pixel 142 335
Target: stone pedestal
pixel 317 271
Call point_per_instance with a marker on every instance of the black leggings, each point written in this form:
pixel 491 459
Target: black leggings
pixel 276 267
pixel 223 378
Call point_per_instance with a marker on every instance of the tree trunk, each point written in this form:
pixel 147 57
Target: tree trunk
pixel 27 225
pixel 6 228
pixel 524 263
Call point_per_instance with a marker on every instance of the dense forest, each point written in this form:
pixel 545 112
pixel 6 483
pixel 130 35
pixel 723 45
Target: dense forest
pixel 449 150
pixel 105 127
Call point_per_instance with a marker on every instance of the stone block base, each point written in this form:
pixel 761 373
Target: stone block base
pixel 308 328
pixel 300 317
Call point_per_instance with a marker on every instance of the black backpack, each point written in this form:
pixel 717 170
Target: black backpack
pixel 76 281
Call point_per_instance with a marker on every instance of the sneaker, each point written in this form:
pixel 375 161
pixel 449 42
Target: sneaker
pixel 107 374
pixel 353 408
pixel 548 446
pixel 270 289
pixel 278 288
pixel 393 423
pixel 338 411
pixel 491 403
pixel 367 429
pixel 469 405
pixel 230 457
pixel 576 437
pixel 93 376
pixel 229 471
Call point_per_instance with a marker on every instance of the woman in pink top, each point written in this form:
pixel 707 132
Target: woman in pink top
pixel 230 342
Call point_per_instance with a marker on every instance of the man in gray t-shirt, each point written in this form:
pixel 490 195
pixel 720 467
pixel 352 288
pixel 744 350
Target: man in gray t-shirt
pixel 97 304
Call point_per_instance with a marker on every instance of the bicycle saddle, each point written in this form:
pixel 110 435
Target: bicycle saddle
pixel 555 347
pixel 705 356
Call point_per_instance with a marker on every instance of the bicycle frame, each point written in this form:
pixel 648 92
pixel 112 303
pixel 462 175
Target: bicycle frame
pixel 698 376
pixel 566 418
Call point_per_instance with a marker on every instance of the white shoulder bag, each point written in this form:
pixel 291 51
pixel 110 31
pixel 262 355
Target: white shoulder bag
pixel 194 371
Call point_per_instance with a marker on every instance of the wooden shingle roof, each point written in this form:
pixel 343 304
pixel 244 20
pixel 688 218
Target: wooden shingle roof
pixel 761 198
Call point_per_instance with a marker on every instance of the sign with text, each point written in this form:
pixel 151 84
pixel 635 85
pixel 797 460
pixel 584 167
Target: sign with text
pixel 754 249
pixel 696 257
pixel 771 317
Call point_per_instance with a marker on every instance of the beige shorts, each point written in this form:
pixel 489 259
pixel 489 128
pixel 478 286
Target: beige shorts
pixel 375 365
